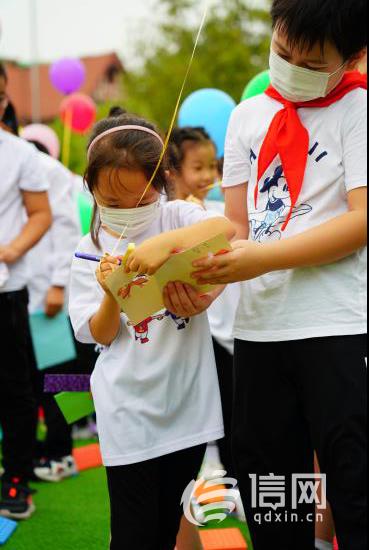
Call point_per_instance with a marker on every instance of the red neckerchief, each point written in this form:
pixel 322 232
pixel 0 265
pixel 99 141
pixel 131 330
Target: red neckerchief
pixel 288 137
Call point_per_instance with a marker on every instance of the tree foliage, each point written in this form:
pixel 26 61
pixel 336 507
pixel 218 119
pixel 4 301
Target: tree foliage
pixel 233 48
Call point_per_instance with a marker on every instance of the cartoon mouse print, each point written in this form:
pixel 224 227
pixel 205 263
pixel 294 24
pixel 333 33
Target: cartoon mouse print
pixel 142 329
pixel 180 322
pixel 265 224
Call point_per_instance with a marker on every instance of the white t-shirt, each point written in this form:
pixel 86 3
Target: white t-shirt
pixel 313 302
pixel 20 170
pixel 222 312
pixel 50 260
pixel 155 388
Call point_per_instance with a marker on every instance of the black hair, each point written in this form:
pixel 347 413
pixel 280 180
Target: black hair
pixel 10 119
pixel 39 146
pixel 133 150
pixel 3 73
pixel 310 22
pixel 180 138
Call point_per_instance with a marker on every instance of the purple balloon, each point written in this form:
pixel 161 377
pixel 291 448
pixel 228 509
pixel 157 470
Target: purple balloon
pixel 67 75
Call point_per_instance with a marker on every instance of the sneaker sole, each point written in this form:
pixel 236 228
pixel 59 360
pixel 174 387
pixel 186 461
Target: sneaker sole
pixel 54 479
pixel 25 515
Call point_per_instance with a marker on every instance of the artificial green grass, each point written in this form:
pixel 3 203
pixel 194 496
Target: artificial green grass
pixel 74 515
pixel 70 515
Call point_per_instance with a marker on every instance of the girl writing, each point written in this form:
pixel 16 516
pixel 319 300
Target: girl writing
pixel 157 398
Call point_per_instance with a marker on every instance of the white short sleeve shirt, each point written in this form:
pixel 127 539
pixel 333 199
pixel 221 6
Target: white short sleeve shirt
pixel 155 388
pixel 50 261
pixel 20 170
pixel 313 302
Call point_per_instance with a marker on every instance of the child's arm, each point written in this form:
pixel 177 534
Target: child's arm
pixel 39 221
pixel 153 253
pixel 105 324
pixel 325 244
pixel 236 210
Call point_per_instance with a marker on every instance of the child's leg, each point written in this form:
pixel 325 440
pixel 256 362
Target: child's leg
pixel 145 500
pixel 334 378
pixel 134 492
pixel 224 362
pixel 324 530
pixel 17 402
pixel 270 437
pixel 177 472
pixel 188 537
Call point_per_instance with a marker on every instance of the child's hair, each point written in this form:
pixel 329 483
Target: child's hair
pixel 39 146
pixel 308 22
pixel 180 138
pixel 130 149
pixel 10 119
pixel 3 73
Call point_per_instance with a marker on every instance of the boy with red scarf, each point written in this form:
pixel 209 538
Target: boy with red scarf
pixel 295 179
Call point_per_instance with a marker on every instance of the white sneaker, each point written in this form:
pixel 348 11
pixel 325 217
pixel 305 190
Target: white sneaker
pixel 55 471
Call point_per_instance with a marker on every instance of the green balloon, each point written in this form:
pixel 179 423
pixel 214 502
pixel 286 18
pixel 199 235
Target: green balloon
pixel 85 209
pixel 257 85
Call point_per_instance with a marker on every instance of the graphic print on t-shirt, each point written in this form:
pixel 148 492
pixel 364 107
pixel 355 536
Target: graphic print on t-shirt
pixel 142 330
pixel 265 224
pixel 140 281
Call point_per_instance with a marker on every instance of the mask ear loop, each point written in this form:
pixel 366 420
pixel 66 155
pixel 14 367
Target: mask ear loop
pixel 172 123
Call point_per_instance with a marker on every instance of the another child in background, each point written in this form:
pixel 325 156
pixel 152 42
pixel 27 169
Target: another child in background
pixel 194 170
pixel 50 263
pixel 23 186
pixel 295 176
pixel 194 164
pixel 157 398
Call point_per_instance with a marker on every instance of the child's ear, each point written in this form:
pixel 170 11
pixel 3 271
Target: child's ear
pixel 359 61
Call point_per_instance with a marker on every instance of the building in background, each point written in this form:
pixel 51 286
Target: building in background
pixel 103 83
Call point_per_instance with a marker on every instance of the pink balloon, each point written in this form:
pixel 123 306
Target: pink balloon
pixel 79 112
pixel 67 75
pixel 44 135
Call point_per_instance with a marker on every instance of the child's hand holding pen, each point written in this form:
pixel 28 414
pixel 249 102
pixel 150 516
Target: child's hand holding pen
pixel 107 266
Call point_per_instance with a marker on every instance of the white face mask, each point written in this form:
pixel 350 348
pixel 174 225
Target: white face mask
pixel 297 84
pixel 132 222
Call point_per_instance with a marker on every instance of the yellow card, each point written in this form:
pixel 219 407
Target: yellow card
pixel 141 296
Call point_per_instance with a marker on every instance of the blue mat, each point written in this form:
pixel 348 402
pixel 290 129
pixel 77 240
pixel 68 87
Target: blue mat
pixel 7 528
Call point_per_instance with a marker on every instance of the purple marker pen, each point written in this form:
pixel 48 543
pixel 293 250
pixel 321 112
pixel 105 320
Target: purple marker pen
pixel 90 257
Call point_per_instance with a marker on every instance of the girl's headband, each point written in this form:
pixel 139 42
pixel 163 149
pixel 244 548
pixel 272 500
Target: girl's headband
pixel 119 129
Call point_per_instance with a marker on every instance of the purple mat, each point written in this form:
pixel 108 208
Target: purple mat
pixel 55 383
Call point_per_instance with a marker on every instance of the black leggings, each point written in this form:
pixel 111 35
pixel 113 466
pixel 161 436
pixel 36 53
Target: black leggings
pixel 293 398
pixel 17 400
pixel 145 500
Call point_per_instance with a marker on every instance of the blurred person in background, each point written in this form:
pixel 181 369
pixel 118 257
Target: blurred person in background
pixel 23 187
